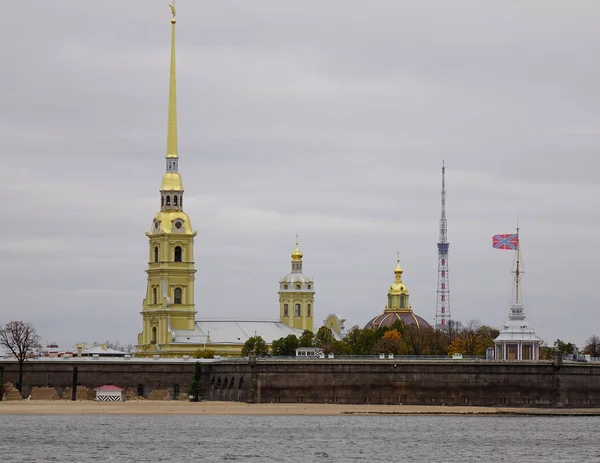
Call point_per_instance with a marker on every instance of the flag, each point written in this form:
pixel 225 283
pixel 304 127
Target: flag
pixel 507 241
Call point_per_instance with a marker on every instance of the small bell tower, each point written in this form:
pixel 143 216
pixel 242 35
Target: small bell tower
pixel 297 296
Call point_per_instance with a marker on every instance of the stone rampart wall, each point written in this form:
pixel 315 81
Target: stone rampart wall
pixel 475 383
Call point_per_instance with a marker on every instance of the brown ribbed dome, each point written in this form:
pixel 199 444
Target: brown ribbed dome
pixel 388 318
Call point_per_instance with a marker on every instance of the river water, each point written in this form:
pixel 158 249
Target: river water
pixel 205 438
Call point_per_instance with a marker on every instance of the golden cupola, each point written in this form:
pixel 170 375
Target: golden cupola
pixel 297 254
pixel 398 306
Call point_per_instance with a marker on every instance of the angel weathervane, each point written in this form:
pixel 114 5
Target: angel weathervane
pixel 172 6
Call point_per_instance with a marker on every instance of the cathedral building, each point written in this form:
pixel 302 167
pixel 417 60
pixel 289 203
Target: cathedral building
pixel 169 324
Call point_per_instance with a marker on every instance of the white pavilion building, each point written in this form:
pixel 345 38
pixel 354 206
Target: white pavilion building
pixel 517 339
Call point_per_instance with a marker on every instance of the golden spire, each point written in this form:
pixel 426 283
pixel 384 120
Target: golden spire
pixel 172 148
pixel 296 254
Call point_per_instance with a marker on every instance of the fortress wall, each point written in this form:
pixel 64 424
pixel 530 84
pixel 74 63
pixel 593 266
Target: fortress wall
pixel 474 383
pixel 126 375
pixel 501 384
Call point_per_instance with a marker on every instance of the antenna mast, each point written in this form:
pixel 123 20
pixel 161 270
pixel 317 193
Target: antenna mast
pixel 442 311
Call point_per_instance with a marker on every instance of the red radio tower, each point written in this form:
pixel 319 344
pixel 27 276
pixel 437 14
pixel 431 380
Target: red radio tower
pixel 442 310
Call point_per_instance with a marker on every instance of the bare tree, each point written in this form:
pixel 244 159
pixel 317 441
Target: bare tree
pixel 592 346
pixel 21 339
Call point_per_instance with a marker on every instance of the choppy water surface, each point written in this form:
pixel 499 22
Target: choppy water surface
pixel 129 438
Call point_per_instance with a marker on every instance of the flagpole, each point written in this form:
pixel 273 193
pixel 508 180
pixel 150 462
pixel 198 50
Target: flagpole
pixel 517 270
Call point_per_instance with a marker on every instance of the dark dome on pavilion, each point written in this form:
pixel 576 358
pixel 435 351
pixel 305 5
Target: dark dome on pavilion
pixel 398 307
pixel 388 318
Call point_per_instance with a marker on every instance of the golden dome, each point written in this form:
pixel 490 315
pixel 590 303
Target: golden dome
pixel 171 181
pixel 296 254
pixel 398 287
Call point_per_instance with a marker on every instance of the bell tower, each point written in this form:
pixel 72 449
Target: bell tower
pixel 297 296
pixel 169 302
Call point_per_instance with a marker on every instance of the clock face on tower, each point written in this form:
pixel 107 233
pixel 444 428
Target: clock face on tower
pixel 178 225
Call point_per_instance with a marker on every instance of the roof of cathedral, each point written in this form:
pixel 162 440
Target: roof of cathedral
pixel 233 331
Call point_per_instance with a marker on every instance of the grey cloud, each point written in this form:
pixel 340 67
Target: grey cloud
pixel 325 118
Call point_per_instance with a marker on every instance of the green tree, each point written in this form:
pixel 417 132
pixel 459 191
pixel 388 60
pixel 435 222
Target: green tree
pixel 435 342
pixel 565 348
pixel 365 341
pixel 307 339
pixel 21 339
pixel 285 347
pixel 257 344
pixel 324 337
pixel 204 354
pixel 196 385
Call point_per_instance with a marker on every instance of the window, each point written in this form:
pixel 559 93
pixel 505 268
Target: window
pixel 309 286
pixel 154 295
pixel 156 254
pixel 298 286
pixel 168 200
pixel 181 201
pixel 176 391
pixel 308 310
pixel 177 295
pixel 162 200
pixel 140 390
pixel 177 254
pixel 285 310
pixel 297 312
pixel 402 301
pixel 175 200
pixel 285 286
pixel 153 335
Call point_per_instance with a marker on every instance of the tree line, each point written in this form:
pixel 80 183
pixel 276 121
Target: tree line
pixel 470 338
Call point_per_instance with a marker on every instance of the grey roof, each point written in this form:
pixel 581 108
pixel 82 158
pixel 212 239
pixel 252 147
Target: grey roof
pixel 101 351
pixel 233 331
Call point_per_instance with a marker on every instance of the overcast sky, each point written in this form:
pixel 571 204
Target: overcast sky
pixel 326 118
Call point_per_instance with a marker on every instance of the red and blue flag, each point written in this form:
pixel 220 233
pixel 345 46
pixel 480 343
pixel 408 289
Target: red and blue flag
pixel 506 241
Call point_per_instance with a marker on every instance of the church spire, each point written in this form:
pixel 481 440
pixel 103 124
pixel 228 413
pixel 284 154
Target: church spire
pixel 172 185
pixel 172 148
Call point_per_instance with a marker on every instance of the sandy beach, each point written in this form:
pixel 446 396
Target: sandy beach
pixel 148 407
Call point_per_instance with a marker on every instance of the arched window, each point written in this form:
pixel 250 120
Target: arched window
pixel 389 302
pixel 298 286
pixel 155 253
pixel 153 335
pixel 162 200
pixel 177 257
pixel 175 200
pixel 285 310
pixel 402 302
pixel 181 201
pixel 140 390
pixel 168 200
pixel 154 295
pixel 177 295
pixel 297 310
pixel 308 310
